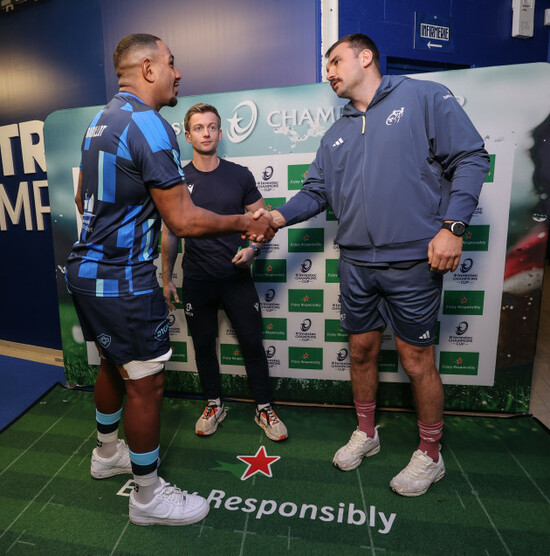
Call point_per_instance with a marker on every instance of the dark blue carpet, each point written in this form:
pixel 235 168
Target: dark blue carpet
pixel 23 382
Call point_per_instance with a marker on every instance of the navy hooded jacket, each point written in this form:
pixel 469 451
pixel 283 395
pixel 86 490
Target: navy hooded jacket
pixel 394 173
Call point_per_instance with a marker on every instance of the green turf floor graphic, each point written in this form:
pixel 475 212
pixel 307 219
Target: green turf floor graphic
pixel 494 500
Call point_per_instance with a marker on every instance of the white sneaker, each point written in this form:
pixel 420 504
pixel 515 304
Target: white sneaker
pixel 419 474
pixel 274 428
pixel 349 457
pixel 119 464
pixel 211 417
pixel 169 506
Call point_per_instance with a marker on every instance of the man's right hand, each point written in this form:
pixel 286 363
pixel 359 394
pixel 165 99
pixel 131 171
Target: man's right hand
pixel 170 291
pixel 277 219
pixel 259 226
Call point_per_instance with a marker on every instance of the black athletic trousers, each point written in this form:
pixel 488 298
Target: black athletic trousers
pixel 239 299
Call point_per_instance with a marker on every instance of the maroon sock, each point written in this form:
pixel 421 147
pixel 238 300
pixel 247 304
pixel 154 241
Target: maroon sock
pixel 365 416
pixel 429 439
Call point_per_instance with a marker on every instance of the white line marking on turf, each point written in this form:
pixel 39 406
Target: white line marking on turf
pixel 529 476
pixel 460 500
pixel 289 538
pixel 46 485
pixel 371 547
pixel 244 532
pixel 120 537
pixel 171 442
pixel 25 451
pixel 476 494
pixel 49 502
pixel 202 526
pixel 18 541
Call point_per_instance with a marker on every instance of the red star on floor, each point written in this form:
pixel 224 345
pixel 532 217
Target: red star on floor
pixel 259 463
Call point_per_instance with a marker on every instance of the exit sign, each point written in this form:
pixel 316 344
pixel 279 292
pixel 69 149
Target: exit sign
pixel 433 32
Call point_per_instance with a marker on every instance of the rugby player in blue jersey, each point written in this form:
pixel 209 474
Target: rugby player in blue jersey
pixel 130 177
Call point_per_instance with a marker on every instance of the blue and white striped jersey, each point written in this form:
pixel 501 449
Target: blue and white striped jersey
pixel 127 149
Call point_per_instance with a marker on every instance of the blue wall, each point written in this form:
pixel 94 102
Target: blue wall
pixel 51 57
pixel 56 54
pixel 482 30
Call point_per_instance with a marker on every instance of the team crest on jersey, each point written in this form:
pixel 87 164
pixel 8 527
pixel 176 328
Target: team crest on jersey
pixel 104 340
pixel 395 116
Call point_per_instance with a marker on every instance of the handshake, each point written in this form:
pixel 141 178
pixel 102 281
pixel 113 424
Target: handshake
pixel 262 225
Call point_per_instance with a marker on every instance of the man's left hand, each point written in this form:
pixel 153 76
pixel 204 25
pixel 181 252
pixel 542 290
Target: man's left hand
pixel 243 258
pixel 444 252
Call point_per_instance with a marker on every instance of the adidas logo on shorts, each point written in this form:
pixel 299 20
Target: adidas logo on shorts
pixel 425 336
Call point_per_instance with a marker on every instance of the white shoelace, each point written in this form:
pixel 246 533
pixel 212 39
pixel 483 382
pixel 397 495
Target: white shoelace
pixel 172 492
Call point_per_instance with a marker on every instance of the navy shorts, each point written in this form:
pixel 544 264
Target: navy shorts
pixel 132 328
pixel 405 296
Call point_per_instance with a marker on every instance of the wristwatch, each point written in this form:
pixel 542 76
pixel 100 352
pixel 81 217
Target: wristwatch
pixel 457 228
pixel 257 250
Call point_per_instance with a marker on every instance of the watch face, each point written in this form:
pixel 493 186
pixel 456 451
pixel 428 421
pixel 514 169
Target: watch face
pixel 458 228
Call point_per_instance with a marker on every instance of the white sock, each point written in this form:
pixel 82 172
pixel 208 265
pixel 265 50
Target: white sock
pixel 107 444
pixel 145 486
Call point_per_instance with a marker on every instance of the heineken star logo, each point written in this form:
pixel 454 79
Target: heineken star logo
pixel 459 361
pixel 306 237
pixel 236 352
pixel 258 463
pixel 463 300
pixel 306 297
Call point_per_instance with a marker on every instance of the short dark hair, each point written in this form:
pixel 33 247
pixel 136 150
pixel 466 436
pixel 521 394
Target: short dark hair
pixel 200 108
pixel 131 42
pixel 358 42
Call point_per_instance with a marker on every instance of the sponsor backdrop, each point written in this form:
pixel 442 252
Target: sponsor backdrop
pixel 483 361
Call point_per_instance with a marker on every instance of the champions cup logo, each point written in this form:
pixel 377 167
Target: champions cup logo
pixel 303 334
pixel 269 295
pixel 460 338
pixel 465 274
pixel 267 173
pixel 341 363
pixel 246 111
pixel 306 265
pixel 466 265
pixel 270 352
pixel 342 354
